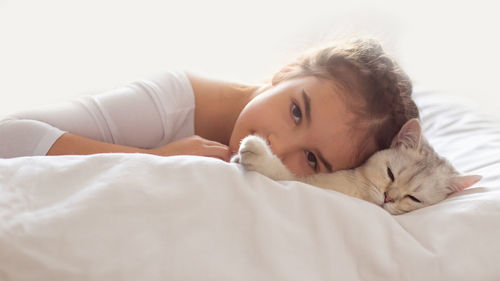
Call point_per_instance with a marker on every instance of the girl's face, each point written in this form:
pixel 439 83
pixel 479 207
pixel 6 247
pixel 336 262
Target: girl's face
pixel 306 122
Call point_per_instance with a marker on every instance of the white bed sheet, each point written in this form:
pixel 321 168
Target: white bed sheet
pixel 141 217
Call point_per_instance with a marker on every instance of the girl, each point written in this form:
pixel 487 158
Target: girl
pixel 328 110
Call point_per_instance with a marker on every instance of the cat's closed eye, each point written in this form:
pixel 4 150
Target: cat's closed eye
pixel 390 174
pixel 413 198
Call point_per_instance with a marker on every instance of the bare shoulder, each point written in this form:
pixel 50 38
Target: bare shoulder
pixel 213 94
pixel 205 85
pixel 217 105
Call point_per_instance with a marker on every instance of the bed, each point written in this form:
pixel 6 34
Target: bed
pixel 143 217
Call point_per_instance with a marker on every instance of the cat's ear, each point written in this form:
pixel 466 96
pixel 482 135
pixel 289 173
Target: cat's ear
pixel 409 135
pixel 459 183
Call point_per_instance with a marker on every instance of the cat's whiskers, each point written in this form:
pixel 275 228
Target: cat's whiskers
pixel 370 188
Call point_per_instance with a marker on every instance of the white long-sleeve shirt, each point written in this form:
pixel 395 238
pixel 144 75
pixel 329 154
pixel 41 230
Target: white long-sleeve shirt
pixel 146 114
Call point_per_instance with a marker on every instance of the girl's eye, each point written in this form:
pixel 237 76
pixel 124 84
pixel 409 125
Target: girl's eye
pixel 390 174
pixel 296 113
pixel 311 160
pixel 413 198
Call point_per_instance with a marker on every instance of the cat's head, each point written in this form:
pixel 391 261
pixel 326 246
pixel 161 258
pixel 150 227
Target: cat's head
pixel 411 174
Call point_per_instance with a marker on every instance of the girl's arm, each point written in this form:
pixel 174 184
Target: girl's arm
pixel 149 116
pixel 71 144
pixel 194 145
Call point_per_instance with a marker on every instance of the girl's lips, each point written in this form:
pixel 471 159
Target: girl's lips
pixel 268 142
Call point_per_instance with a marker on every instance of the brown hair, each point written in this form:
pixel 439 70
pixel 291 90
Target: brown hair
pixel 379 90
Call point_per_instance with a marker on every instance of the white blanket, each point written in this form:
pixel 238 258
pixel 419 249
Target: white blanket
pixel 142 217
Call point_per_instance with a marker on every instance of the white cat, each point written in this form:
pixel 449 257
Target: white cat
pixel 407 176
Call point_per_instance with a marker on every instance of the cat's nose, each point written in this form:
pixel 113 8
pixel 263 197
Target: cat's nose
pixel 387 198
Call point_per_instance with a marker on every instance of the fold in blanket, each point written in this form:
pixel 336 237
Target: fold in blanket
pixel 141 217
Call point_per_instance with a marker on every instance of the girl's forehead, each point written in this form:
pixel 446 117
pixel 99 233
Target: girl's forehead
pixel 326 95
pixel 323 88
pixel 331 128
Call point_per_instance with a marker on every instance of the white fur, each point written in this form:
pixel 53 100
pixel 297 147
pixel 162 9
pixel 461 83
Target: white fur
pixel 418 172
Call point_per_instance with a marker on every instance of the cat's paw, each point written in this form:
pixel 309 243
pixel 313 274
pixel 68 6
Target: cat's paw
pixel 253 153
pixel 256 155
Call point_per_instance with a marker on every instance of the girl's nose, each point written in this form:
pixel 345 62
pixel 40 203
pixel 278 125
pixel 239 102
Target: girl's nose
pixel 281 146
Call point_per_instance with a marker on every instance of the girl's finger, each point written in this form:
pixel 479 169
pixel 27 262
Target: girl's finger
pixel 221 152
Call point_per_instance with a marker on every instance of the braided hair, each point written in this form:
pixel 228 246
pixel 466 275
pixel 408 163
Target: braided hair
pixel 377 89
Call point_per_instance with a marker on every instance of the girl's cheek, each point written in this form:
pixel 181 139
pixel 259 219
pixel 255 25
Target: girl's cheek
pixel 297 165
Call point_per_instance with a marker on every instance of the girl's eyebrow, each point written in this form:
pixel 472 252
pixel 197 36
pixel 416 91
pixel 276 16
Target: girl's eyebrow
pixel 328 166
pixel 307 107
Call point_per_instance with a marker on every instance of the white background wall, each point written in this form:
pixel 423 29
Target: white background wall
pixel 55 50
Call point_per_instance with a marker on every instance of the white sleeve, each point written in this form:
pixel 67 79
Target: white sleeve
pixel 146 114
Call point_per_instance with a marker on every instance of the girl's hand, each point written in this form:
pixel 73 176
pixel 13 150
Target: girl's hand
pixel 194 145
